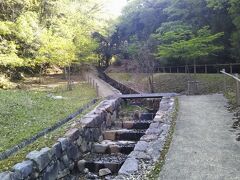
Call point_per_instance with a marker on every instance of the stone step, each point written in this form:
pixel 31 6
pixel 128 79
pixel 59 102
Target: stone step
pixel 143 116
pixel 109 147
pixel 95 162
pixel 133 124
pixel 123 134
pixel 147 116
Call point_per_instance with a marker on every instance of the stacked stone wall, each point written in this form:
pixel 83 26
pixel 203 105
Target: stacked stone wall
pixel 60 161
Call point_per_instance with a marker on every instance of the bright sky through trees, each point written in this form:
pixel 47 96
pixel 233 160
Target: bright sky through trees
pixel 115 6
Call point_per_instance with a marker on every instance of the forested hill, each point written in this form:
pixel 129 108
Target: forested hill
pixel 37 33
pixel 175 32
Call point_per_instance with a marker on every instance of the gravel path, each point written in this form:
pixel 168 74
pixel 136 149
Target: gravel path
pixel 203 147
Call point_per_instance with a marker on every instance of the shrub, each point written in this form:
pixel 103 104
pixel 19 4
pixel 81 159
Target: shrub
pixel 5 83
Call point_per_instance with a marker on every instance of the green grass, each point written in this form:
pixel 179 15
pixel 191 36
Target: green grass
pixel 46 141
pixel 121 76
pixel 164 82
pixel 25 113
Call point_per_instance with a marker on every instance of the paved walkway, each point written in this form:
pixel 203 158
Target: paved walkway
pixel 203 148
pixel 105 89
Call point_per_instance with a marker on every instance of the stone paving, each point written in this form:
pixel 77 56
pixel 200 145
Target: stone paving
pixel 203 147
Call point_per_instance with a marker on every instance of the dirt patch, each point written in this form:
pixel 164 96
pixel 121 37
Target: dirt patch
pixel 48 82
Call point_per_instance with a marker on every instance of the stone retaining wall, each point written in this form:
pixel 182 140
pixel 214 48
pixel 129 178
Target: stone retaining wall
pixel 60 160
pixel 121 87
pixel 148 150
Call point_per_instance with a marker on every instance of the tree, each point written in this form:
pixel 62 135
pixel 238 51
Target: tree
pixel 234 11
pixel 143 20
pixel 190 47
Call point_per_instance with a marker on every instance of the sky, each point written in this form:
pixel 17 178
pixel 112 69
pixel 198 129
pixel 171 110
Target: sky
pixel 115 6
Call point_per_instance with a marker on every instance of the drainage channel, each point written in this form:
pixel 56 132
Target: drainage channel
pixel 119 139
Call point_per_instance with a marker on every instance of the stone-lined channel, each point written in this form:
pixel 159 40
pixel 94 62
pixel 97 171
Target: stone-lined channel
pixel 119 139
pixel 110 142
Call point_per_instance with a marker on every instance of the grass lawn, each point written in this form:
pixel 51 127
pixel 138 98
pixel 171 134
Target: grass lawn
pixel 164 82
pixel 46 141
pixel 24 113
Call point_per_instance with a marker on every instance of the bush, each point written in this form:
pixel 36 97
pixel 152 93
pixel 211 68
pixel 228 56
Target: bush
pixel 5 83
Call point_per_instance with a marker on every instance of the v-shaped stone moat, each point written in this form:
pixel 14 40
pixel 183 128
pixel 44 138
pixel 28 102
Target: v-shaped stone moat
pixel 110 142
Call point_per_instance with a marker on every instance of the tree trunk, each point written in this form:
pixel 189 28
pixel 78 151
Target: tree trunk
pixel 195 68
pixel 151 83
pixel 69 83
pixel 40 79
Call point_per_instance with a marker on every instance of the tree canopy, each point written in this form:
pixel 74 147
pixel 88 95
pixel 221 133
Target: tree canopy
pixel 59 32
pixel 182 30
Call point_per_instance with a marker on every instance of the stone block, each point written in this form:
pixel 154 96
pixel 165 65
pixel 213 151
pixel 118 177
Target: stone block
pixel 79 140
pixel 129 166
pixel 9 176
pixel 64 143
pixel 81 165
pixel 139 155
pixel 100 148
pixel 57 149
pixel 41 158
pixel 114 149
pixel 73 152
pixel 65 161
pixel 83 147
pixel 110 135
pixel 87 122
pixel 63 173
pixel 149 137
pixel 109 120
pixel 51 172
pixel 72 134
pixel 141 146
pixel 104 172
pixel 24 169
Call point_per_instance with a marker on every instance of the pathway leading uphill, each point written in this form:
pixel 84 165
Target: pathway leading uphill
pixel 203 147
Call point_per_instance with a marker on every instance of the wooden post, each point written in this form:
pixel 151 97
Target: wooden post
pixel 218 70
pixel 90 81
pixel 93 83
pixel 164 70
pixel 170 69
pixel 237 91
pixel 224 82
pixel 206 69
pixel 195 69
pixel 231 69
pixel 185 69
pixel 177 70
pixel 97 90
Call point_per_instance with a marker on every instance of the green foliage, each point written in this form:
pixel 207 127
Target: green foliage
pixel 185 45
pixel 39 32
pixel 174 26
pixel 235 11
pixel 5 82
pixel 55 50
